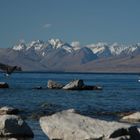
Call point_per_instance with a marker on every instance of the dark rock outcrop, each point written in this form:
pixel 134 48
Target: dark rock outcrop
pixel 132 132
pixel 8 110
pixel 14 126
pixel 87 87
pixel 4 85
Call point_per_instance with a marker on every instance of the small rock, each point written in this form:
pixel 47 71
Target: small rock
pixel 54 85
pixel 4 85
pixel 86 87
pixel 8 110
pixel 38 87
pixel 14 126
pixel 135 117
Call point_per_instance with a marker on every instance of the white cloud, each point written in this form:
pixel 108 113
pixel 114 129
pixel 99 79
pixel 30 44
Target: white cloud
pixel 47 25
pixel 22 41
pixel 75 44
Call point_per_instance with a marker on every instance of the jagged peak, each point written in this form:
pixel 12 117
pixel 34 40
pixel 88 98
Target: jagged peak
pixel 20 46
pixel 36 42
pixel 56 42
pixel 100 48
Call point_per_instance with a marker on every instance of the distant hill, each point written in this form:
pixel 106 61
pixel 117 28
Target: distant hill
pixel 56 55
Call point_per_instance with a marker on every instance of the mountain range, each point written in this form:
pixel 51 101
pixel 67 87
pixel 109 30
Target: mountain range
pixel 57 55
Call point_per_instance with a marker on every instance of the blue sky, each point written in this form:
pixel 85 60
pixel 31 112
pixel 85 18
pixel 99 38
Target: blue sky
pixel 87 21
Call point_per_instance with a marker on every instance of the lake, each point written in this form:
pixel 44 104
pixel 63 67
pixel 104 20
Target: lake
pixel 121 93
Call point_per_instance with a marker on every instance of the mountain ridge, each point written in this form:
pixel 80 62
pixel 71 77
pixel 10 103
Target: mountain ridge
pixel 57 55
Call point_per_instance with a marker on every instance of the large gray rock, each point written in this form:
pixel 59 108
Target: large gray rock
pixel 68 125
pixel 134 117
pixel 74 85
pixel 14 126
pixel 8 110
pixel 4 85
pixel 54 85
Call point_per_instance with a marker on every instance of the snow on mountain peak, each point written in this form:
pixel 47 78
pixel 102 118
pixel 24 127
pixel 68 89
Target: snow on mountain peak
pixel 36 42
pixel 98 48
pixel 101 49
pixel 59 44
pixel 117 49
pixel 41 47
pixel 19 47
pixel 56 43
pixel 36 45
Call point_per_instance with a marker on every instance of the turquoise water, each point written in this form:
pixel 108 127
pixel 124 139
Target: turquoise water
pixel 121 93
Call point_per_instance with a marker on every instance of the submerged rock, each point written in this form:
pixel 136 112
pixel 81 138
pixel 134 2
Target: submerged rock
pixel 45 109
pixel 4 85
pixel 8 110
pixel 86 87
pixel 14 126
pixel 68 125
pixel 38 87
pixel 54 85
pixel 134 117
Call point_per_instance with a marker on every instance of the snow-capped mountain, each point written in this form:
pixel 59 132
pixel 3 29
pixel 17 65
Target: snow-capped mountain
pixel 38 49
pixel 57 55
pixel 101 49
pixel 41 46
pixel 115 49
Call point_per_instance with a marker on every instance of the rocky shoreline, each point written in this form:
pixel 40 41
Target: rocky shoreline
pixel 69 125
pixel 60 123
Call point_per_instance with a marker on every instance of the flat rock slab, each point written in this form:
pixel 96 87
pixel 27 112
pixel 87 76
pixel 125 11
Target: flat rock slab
pixel 14 126
pixel 68 125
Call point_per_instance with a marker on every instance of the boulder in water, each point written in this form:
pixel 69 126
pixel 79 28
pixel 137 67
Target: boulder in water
pixel 54 85
pixel 68 125
pixel 74 85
